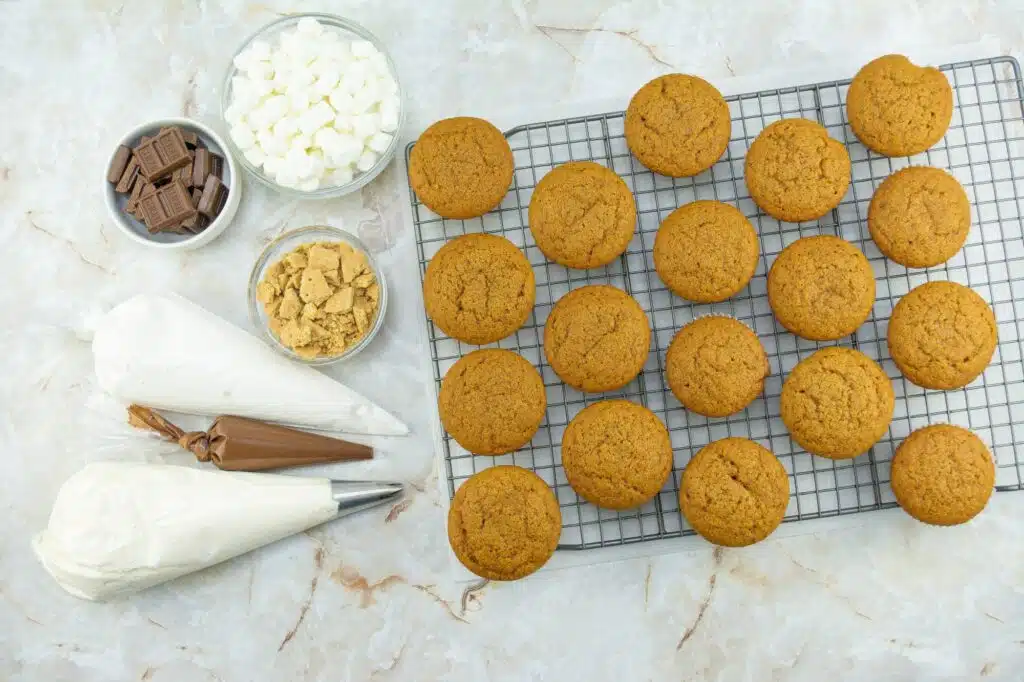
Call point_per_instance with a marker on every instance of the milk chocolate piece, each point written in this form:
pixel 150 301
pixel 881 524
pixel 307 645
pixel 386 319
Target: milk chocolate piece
pixel 128 177
pixel 195 224
pixel 201 167
pixel 213 194
pixel 218 165
pixel 191 138
pixel 118 164
pixel 133 200
pixel 167 207
pixel 185 175
pixel 162 155
pixel 196 194
pixel 240 444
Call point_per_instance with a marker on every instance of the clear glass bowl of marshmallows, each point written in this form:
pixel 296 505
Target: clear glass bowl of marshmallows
pixel 313 106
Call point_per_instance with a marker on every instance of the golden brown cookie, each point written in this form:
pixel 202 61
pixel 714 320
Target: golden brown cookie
pixel 821 288
pixel 943 475
pixel 716 366
pixel 492 401
pixel 919 216
pixel 597 338
pixel 837 403
pixel 942 335
pixel 706 251
pixel 582 215
pixel 734 492
pixel 461 167
pixel 898 109
pixel 678 125
pixel 616 454
pixel 795 171
pixel 479 288
pixel 504 523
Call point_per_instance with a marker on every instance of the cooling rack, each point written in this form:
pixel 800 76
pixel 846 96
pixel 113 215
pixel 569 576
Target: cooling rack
pixel 982 149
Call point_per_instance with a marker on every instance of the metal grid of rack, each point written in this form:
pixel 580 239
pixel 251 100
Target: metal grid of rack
pixel 983 149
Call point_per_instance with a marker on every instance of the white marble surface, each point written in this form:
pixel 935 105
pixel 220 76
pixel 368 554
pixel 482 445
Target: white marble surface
pixel 373 597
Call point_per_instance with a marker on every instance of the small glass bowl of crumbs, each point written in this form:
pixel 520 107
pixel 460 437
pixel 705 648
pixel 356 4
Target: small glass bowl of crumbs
pixel 317 295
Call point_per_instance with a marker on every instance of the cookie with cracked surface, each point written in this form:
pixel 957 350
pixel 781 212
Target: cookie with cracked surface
pixel 943 475
pixel 942 335
pixel 616 454
pixel 597 338
pixel 492 401
pixel 837 403
pixel 795 171
pixel 716 366
pixel 919 216
pixel 897 108
pixel 582 215
pixel 706 251
pixel 821 288
pixel 734 492
pixel 461 167
pixel 678 125
pixel 504 523
pixel 479 288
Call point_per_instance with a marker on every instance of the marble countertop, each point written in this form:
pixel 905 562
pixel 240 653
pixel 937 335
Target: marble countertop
pixel 374 597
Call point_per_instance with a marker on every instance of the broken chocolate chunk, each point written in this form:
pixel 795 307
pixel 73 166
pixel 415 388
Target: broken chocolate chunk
pixel 128 177
pixel 118 164
pixel 213 193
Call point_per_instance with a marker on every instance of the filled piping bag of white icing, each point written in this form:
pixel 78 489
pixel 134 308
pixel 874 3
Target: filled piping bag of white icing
pixel 165 352
pixel 120 527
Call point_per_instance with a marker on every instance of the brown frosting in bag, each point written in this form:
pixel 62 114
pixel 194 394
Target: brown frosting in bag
pixel 240 444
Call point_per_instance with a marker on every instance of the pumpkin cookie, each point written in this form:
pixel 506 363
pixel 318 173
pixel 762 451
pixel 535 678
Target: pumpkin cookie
pixel 492 401
pixel 943 475
pixel 821 288
pixel 706 251
pixel 582 215
pixel 504 523
pixel 716 366
pixel 616 454
pixel 942 335
pixel 461 167
pixel 734 492
pixel 479 288
pixel 678 125
pixel 837 403
pixel 898 109
pixel 919 217
pixel 597 338
pixel 795 171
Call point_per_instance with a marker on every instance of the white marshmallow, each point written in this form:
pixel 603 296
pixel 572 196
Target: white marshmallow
pixel 389 113
pixel 260 49
pixel 274 109
pixel 365 125
pixel 259 70
pixel 325 138
pixel 286 178
pixel 345 151
pixel 300 99
pixel 343 123
pixel 302 141
pixel 361 49
pixel 309 26
pixel 271 165
pixel 339 176
pixel 309 185
pixel 271 143
pixel 324 85
pixel 242 136
pixel 379 142
pixel 255 155
pixel 366 160
pixel 341 100
pixel 317 117
pixel 363 99
pixel 286 127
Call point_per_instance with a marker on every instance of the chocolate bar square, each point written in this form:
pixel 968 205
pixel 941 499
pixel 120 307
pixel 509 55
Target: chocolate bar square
pixel 162 155
pixel 167 207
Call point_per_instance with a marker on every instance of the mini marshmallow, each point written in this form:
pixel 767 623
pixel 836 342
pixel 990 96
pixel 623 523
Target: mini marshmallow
pixel 286 127
pixel 300 99
pixel 339 176
pixel 341 100
pixel 389 115
pixel 274 109
pixel 366 160
pixel 379 142
pixel 309 185
pixel 273 145
pixel 361 49
pixel 310 26
pixel 260 49
pixel 255 156
pixel 317 117
pixel 242 136
pixel 364 126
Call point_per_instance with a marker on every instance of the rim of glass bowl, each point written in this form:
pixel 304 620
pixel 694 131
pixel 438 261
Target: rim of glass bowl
pixel 271 30
pixel 274 251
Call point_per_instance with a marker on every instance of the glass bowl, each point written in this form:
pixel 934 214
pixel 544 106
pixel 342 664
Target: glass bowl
pixel 269 33
pixel 280 247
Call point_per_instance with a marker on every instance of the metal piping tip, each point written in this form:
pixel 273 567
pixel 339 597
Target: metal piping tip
pixel 355 496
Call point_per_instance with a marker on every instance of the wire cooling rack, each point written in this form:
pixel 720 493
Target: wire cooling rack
pixel 982 149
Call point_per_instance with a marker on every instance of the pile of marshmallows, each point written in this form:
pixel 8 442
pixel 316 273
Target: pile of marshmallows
pixel 314 110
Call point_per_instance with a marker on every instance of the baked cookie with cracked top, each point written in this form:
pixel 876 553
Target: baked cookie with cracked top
pixel 582 215
pixel 734 492
pixel 461 167
pixel 678 125
pixel 795 171
pixel 616 454
pixel 821 288
pixel 942 335
pixel 837 403
pixel 716 366
pixel 479 288
pixel 897 108
pixel 504 523
pixel 943 475
pixel 597 338
pixel 919 216
pixel 706 251
pixel 492 401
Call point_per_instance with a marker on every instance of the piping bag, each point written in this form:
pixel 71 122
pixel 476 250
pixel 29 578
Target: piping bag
pixel 168 353
pixel 240 444
pixel 120 527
